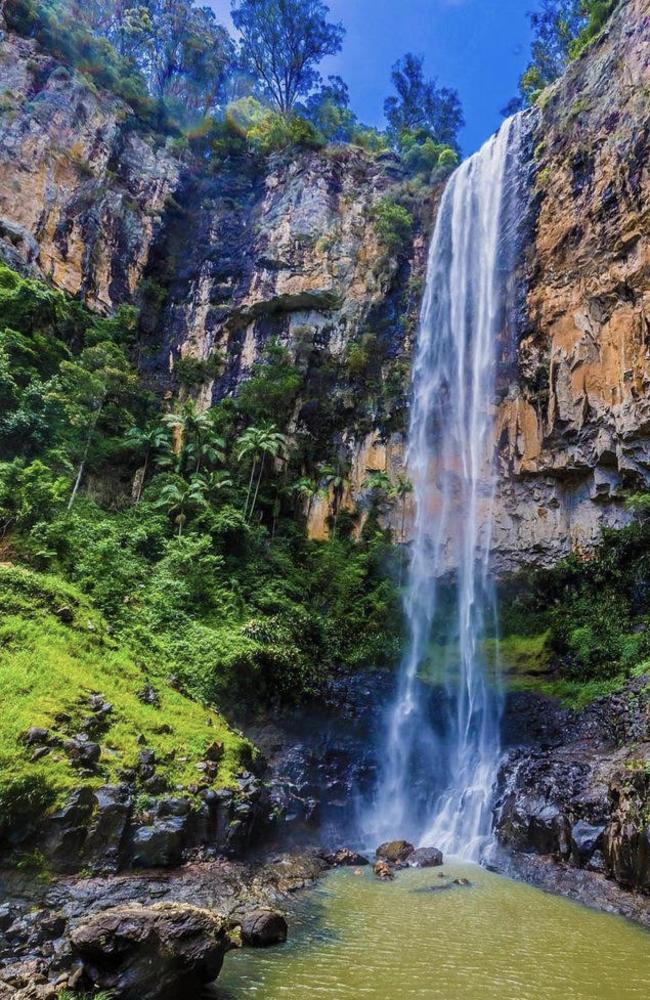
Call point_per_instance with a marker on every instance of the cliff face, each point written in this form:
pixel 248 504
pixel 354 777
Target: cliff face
pixel 286 250
pixel 574 424
pixel 222 258
pixel 289 249
pixel 82 192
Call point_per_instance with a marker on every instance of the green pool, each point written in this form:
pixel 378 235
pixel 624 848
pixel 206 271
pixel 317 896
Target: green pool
pixel 493 940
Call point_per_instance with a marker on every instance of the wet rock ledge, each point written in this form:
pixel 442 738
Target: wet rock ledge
pixel 573 807
pixel 148 936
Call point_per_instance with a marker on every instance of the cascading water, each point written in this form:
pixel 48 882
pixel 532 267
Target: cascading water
pixel 441 743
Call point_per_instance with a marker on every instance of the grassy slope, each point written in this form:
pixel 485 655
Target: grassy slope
pixel 526 666
pixel 525 663
pixel 48 667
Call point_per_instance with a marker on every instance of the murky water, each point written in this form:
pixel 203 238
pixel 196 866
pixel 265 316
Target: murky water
pixel 494 940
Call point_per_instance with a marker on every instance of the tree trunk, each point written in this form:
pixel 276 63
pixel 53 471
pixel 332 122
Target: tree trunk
pixel 84 457
pixel 257 487
pixel 250 487
pixel 145 469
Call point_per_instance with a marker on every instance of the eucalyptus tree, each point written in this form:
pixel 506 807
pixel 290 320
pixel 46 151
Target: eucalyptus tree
pixel 560 29
pixel 184 54
pixel 420 105
pixel 282 44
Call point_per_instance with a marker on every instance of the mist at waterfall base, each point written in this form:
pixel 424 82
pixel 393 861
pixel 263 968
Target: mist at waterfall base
pixel 440 744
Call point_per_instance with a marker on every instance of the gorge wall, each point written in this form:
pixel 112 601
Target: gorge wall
pixel 222 260
pixel 574 417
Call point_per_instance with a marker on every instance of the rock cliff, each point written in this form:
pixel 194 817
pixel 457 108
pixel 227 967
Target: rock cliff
pixel 224 259
pixel 82 191
pixel 579 792
pixel 574 419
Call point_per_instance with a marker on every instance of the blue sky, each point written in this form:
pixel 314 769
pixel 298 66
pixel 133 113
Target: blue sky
pixel 477 46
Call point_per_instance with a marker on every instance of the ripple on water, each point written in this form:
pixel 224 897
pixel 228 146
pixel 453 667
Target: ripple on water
pixel 495 940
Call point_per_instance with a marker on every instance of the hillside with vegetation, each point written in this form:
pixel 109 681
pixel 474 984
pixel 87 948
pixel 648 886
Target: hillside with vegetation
pixel 211 277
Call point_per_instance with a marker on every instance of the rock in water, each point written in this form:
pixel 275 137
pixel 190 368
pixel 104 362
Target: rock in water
pixel 151 952
pixel 344 858
pixel 425 857
pixel 260 927
pixel 395 851
pixel 383 870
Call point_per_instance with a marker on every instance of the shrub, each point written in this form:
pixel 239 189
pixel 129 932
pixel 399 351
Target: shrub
pixel 274 132
pixel 393 225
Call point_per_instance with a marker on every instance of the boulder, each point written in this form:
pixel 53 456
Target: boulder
pixel 159 845
pixel 36 736
pixel 395 851
pixel 149 696
pixel 215 751
pixel 106 843
pixel 152 952
pixel 383 870
pixel 344 858
pixel 585 840
pixel 260 927
pixel 65 831
pixel 425 857
pixel 82 752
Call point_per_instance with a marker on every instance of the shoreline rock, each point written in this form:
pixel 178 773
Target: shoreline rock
pixel 150 952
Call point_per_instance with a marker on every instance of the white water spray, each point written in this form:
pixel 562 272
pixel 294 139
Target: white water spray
pixel 442 741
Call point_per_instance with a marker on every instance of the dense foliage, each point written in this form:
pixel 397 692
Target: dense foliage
pixel 182 73
pixel 283 42
pixel 185 528
pixel 561 30
pixel 594 613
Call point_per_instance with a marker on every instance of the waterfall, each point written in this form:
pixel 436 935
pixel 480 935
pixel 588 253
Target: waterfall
pixel 441 742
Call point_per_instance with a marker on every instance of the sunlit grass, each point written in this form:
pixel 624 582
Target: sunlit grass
pixel 48 670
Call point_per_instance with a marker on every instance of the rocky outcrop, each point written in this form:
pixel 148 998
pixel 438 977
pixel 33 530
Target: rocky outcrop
pixel 573 423
pixel 83 188
pixel 224 258
pixel 283 249
pixel 260 927
pixel 151 952
pixel 79 933
pixel 585 799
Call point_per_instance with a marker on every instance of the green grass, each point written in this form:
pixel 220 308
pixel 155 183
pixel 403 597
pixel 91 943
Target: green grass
pixel 524 664
pixel 516 657
pixel 48 668
pixel 519 655
pixel 573 694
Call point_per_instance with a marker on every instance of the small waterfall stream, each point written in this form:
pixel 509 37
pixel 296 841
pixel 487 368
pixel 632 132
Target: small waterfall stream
pixel 442 735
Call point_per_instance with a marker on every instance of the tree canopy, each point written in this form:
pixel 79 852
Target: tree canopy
pixel 183 74
pixel 421 105
pixel 561 29
pixel 283 42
